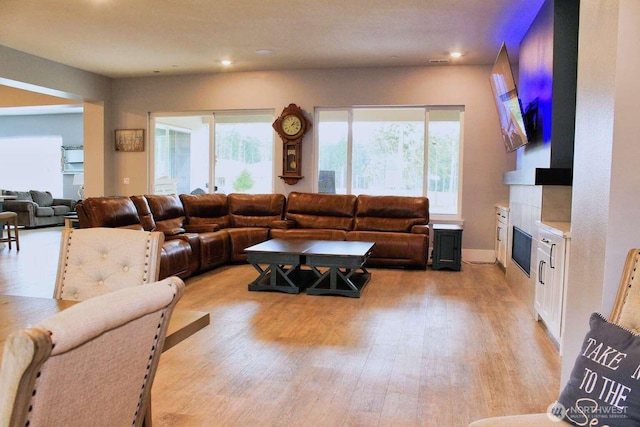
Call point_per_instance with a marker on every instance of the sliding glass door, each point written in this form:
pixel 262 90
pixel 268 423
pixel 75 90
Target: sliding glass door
pixel 180 153
pixel 226 152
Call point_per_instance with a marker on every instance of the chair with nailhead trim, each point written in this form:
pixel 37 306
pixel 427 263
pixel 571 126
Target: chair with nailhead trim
pixel 95 261
pixel 92 364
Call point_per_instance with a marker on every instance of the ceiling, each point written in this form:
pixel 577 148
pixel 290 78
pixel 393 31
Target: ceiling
pixel 129 38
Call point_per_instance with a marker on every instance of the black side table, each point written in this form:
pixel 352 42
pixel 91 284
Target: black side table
pixel 447 247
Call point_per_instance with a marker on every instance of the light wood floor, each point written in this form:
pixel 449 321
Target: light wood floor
pixel 419 348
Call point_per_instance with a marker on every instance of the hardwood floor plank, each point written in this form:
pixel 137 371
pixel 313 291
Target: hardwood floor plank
pixel 419 348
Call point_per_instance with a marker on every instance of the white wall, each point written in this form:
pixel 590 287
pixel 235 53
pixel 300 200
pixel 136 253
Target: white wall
pixel 68 126
pixel 605 221
pixel 484 156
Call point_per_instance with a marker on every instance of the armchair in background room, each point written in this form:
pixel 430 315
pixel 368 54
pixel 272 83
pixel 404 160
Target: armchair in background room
pixel 102 353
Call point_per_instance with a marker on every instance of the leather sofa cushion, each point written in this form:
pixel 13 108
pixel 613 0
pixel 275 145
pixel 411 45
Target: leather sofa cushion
pixel 326 211
pixel 206 209
pixel 108 212
pixel 42 198
pixel 167 211
pixel 390 213
pixel 144 212
pixel 255 210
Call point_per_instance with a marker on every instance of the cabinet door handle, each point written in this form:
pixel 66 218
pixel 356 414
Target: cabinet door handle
pixel 540 272
pixel 498 233
pixel 552 256
pixel 545 240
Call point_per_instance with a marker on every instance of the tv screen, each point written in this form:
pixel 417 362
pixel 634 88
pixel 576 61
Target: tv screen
pixel 505 94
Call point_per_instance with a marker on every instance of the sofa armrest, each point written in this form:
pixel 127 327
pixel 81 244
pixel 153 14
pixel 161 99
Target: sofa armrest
pixel 66 202
pixel 168 232
pixel 201 228
pixel 20 206
pixel 420 229
pixel 284 223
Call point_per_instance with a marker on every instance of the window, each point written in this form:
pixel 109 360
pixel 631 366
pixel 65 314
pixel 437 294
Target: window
pixel 244 153
pixel 242 143
pixel 40 156
pixel 381 151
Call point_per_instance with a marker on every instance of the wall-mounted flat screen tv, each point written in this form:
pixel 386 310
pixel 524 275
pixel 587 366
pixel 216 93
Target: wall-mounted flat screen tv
pixel 505 94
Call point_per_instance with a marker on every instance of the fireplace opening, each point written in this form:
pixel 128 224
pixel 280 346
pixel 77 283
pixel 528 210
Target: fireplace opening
pixel 521 250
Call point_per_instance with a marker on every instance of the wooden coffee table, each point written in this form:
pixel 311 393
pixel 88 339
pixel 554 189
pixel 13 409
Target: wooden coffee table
pixel 336 267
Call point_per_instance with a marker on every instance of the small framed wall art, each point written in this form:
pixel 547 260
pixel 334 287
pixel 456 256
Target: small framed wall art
pixel 129 139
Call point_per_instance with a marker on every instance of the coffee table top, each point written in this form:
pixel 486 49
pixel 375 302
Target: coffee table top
pixel 312 247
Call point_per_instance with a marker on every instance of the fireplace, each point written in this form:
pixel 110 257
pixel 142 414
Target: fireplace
pixel 521 250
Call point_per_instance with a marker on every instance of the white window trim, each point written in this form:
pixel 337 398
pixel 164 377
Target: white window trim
pixel 441 218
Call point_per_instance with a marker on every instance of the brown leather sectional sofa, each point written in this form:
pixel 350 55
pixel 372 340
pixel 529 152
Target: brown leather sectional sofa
pixel 208 230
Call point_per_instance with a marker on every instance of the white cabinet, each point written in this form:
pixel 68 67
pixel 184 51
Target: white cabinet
pixel 502 234
pixel 552 258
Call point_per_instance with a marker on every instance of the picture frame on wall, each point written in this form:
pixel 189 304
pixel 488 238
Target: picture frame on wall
pixel 129 139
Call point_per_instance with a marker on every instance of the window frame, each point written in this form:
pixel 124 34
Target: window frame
pixel 211 114
pixel 425 186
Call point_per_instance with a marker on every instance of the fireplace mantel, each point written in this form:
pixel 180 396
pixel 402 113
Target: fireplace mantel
pixel 539 176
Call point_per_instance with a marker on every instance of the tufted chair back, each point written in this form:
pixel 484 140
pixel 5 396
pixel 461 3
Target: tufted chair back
pixel 92 364
pixel 95 261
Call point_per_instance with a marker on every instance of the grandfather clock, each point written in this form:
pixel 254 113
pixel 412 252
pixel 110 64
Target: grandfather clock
pixel 291 125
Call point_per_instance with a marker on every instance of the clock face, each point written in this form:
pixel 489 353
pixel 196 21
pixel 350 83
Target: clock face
pixel 291 125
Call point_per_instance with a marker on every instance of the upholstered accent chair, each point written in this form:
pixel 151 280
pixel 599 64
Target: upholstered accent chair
pixel 626 313
pixel 95 261
pixel 92 364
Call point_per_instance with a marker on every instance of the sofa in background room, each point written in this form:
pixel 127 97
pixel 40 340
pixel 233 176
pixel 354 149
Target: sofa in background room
pixel 38 208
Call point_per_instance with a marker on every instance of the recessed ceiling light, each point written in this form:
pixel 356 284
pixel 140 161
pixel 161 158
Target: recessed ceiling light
pixel 455 54
pixel 225 62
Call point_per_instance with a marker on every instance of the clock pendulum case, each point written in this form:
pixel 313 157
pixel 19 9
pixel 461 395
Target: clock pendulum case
pixel 291 126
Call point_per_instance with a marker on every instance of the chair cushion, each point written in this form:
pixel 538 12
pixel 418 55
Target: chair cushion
pixel 42 198
pixel 44 211
pixel 60 210
pixel 603 385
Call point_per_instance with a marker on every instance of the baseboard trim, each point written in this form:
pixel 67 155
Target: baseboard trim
pixel 481 256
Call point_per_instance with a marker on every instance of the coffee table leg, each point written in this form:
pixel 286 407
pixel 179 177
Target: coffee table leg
pixel 336 275
pixel 275 277
pixel 281 271
pixel 263 273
